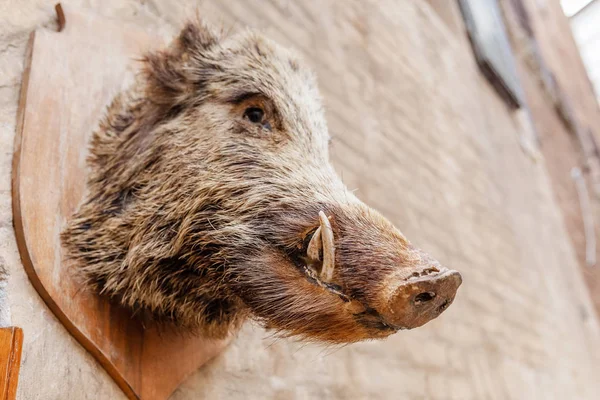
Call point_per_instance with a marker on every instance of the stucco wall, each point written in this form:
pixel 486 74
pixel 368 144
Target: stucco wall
pixel 421 136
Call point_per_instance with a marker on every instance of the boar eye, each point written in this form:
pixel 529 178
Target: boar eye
pixel 254 114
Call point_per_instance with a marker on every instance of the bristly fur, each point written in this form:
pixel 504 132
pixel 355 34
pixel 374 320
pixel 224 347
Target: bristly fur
pixel 200 217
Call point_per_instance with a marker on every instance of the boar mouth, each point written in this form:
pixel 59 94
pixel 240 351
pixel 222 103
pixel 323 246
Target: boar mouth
pixel 363 315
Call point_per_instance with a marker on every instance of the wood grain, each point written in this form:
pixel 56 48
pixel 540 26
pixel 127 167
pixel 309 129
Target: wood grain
pixel 70 77
pixel 11 343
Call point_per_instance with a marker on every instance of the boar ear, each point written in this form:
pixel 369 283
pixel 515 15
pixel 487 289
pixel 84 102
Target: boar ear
pixel 197 37
pixel 171 83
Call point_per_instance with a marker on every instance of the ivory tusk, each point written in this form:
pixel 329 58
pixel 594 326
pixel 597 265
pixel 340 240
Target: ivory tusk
pixel 314 247
pixel 328 248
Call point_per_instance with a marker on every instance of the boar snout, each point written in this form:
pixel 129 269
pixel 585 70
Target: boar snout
pixel 421 298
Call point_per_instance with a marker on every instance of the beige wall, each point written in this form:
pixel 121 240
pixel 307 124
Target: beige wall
pixel 422 137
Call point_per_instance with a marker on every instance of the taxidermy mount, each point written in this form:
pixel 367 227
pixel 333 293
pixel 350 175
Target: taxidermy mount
pixel 211 199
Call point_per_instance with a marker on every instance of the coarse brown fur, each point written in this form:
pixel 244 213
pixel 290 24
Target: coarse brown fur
pixel 201 217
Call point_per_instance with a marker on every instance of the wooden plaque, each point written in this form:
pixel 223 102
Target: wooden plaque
pixel 69 79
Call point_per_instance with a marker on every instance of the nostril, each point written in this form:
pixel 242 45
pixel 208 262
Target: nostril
pixel 444 305
pixel 424 297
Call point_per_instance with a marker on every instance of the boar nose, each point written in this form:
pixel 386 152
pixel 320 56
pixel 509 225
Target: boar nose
pixel 418 301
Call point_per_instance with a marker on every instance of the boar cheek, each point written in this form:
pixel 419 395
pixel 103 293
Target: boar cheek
pixel 282 298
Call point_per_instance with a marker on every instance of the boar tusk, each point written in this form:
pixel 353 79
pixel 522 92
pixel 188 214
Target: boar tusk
pixel 328 248
pixel 314 247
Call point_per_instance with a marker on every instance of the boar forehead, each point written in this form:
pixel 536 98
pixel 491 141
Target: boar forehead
pixel 248 64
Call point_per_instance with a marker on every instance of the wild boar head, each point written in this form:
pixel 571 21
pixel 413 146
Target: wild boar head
pixel 211 199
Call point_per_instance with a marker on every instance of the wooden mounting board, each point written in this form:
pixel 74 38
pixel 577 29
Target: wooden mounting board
pixel 70 77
